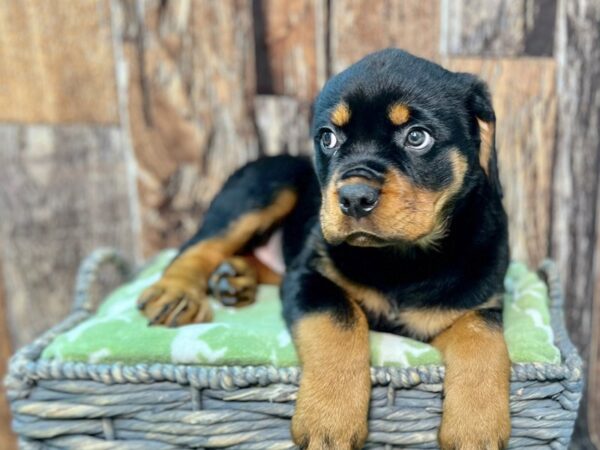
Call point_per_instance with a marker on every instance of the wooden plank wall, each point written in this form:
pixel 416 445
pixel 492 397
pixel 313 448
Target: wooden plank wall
pixel 119 119
pixel 7 440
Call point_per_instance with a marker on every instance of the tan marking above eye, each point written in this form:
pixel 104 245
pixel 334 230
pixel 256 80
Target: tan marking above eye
pixel 340 115
pixel 399 114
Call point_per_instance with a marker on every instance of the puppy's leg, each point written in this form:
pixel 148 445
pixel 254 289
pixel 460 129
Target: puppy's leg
pixel 331 336
pixel 476 404
pixel 253 202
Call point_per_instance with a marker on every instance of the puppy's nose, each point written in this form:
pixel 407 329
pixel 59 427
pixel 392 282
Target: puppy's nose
pixel 358 200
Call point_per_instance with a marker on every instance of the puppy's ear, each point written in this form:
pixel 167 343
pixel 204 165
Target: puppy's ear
pixel 484 121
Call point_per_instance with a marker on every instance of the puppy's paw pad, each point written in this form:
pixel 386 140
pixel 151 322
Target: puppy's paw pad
pixel 234 282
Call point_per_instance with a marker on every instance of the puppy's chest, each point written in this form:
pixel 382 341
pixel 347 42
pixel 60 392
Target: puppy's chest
pixel 385 312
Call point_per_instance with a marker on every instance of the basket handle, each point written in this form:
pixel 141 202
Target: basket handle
pixel 549 271
pixel 89 271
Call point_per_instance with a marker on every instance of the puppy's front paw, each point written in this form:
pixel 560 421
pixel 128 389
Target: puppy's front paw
pixel 331 415
pixel 174 302
pixel 320 427
pixel 484 428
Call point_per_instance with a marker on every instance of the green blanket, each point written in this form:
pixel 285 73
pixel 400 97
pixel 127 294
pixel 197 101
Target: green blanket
pixel 256 334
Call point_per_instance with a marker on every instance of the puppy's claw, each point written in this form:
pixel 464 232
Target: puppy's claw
pixel 148 295
pixel 226 269
pixel 177 312
pixel 161 314
pixel 225 287
pixel 173 302
pixel 229 300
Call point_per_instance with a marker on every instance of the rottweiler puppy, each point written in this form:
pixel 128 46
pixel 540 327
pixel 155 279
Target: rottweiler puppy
pixel 398 226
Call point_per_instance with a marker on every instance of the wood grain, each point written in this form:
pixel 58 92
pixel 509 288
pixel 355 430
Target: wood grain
pixel 56 63
pixel 7 438
pixel 289 47
pixel 282 124
pixel 291 68
pixel 576 188
pixel 190 100
pixel 63 193
pixel 523 92
pixel 498 27
pixel 151 145
pixel 357 27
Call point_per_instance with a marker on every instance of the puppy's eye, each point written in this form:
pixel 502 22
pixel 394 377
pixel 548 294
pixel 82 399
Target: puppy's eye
pixel 329 140
pixel 418 139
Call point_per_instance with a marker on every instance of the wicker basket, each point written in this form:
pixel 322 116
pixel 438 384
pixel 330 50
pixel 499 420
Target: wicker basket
pixel 163 406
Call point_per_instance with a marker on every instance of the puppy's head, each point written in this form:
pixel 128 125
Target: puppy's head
pixel 398 141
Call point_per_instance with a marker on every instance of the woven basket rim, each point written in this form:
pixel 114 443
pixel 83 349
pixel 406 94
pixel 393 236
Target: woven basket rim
pixel 26 367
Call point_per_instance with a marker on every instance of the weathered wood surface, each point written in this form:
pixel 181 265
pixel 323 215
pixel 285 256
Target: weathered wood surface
pixel 357 27
pixel 498 27
pixel 576 189
pixel 290 51
pixel 283 125
pixel 63 193
pixel 525 103
pixel 7 438
pixel 193 89
pixel 56 62
pixel 190 106
pixel 291 67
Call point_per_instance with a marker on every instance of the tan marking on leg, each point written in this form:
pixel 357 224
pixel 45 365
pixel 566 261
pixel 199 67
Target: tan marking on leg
pixel 341 114
pixel 486 133
pixel 333 400
pixel 186 278
pixel 399 114
pixel 265 274
pixel 476 385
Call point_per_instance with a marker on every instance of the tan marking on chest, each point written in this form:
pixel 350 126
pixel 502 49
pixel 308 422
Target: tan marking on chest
pixel 420 323
pixel 370 300
pixel 426 323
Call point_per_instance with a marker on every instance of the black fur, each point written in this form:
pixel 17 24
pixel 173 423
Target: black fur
pixel 464 269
